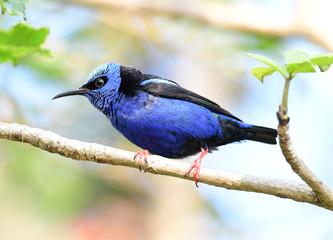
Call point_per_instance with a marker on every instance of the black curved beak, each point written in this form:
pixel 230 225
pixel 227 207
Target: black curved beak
pixel 79 91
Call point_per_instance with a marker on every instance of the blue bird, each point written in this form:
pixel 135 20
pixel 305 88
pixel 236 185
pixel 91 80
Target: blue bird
pixel 161 117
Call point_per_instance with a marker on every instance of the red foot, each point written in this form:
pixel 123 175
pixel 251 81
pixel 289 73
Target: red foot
pixel 196 165
pixel 141 156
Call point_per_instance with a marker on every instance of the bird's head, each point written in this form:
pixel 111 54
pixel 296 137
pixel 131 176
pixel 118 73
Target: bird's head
pixel 103 83
pixel 106 83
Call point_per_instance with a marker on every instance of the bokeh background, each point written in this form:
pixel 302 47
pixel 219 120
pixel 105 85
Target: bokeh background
pixel 202 45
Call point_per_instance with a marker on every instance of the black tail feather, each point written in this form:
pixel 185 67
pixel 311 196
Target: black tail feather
pixel 262 134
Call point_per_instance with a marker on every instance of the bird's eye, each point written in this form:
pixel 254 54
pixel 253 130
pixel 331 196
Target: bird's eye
pixel 99 82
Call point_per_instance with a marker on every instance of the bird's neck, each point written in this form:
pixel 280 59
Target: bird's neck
pixel 110 105
pixel 107 104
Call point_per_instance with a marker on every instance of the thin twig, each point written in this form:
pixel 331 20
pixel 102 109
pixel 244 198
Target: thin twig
pixel 77 150
pixel 286 93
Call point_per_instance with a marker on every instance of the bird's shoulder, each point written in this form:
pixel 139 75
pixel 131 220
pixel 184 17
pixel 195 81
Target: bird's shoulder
pixel 133 80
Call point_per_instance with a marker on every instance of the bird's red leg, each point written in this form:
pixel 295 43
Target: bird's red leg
pixel 196 165
pixel 141 156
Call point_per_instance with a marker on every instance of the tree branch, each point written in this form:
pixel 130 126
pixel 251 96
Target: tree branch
pixel 250 18
pixel 93 152
pixel 323 193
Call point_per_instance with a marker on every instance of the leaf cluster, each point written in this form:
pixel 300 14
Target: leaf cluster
pixel 296 62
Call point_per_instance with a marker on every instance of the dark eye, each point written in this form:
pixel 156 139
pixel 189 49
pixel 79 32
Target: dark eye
pixel 99 82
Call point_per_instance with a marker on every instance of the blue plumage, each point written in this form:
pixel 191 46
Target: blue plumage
pixel 158 115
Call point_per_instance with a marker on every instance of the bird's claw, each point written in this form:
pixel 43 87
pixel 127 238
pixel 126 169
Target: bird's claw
pixel 141 156
pixel 196 165
pixel 196 170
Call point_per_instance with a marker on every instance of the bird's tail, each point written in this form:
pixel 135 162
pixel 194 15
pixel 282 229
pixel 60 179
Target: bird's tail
pixel 262 134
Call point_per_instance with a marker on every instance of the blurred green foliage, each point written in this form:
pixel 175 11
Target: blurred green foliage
pixel 20 40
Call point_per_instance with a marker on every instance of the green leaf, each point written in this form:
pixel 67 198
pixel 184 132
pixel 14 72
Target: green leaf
pixel 14 7
pixel 294 56
pixel 270 62
pixel 298 62
pixel 261 72
pixel 21 40
pixel 323 60
pixel 301 67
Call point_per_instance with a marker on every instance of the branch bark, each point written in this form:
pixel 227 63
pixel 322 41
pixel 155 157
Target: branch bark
pixel 93 152
pixel 323 193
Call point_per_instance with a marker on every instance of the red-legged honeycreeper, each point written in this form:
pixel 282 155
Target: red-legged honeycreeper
pixel 163 118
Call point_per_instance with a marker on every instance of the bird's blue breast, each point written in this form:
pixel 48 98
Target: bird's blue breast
pixel 168 127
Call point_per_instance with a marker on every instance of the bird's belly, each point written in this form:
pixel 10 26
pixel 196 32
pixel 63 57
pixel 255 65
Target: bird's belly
pixel 168 127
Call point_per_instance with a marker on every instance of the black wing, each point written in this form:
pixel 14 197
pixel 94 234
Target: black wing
pixel 173 90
